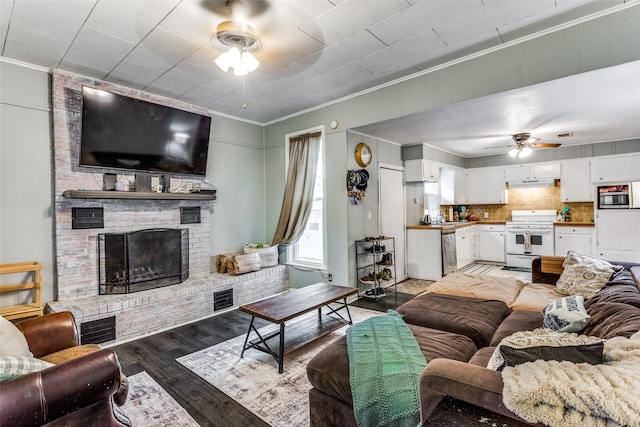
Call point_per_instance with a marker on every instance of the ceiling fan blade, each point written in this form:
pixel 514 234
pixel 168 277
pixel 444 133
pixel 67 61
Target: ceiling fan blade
pixel 544 145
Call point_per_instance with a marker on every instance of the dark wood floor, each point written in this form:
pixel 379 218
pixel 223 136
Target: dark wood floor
pixel 156 354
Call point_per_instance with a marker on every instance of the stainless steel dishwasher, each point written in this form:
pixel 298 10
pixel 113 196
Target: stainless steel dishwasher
pixel 449 259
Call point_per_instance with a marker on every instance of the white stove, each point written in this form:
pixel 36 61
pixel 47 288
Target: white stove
pixel 529 234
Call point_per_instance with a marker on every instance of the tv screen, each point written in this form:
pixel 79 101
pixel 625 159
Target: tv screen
pixel 119 132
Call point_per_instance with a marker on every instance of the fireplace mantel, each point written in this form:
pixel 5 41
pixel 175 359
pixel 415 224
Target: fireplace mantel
pixel 96 194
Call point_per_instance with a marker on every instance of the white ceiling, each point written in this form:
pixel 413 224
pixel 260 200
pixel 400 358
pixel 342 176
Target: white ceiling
pixel 597 106
pixel 314 51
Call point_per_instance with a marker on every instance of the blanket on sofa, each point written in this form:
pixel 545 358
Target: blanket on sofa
pixel 385 363
pixel 563 393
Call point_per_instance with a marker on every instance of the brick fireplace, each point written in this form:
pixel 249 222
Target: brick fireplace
pixel 77 249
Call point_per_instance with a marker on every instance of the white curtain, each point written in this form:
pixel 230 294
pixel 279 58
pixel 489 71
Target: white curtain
pixel 298 192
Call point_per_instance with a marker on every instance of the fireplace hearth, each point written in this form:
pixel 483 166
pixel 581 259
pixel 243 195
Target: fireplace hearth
pixel 142 260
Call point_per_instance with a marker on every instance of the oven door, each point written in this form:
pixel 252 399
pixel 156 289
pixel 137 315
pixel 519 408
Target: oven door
pixel 540 241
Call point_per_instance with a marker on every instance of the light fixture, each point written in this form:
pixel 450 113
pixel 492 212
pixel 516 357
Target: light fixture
pixel 521 151
pixel 241 42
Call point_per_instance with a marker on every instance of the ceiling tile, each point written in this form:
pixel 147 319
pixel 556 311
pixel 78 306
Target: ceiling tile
pixel 140 18
pixel 6 8
pixel 490 17
pixel 34 48
pixel 161 51
pixel 95 51
pixel 180 79
pixel 418 18
pixel 201 23
pixel 133 75
pixel 337 24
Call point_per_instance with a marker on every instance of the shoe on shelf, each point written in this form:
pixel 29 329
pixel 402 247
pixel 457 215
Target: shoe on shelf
pixel 376 248
pixel 368 278
pixel 385 275
pixel 387 259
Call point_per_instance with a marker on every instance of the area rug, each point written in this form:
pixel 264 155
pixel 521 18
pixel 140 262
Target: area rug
pixel 524 269
pixel 282 400
pixel 149 405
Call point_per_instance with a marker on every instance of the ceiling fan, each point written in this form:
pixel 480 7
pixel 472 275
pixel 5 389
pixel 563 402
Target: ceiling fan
pixel 524 144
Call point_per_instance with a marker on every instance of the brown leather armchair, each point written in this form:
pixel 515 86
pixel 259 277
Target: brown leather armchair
pixel 85 387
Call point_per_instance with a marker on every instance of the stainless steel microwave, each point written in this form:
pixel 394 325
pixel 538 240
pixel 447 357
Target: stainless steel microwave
pixel 619 196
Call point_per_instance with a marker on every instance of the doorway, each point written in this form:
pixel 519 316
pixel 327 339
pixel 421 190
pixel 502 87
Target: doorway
pixel 392 212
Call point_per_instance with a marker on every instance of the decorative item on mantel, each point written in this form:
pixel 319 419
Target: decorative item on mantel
pixel 357 185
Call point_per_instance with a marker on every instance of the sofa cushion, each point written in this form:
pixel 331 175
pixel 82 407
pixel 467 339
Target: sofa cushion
pixel 328 371
pixel 612 319
pixel 475 318
pixel 544 344
pixel 535 297
pixel 566 314
pixel 521 320
pixel 482 356
pixel 584 275
pixel 15 366
pixel 621 289
pixel 487 287
pixel 13 342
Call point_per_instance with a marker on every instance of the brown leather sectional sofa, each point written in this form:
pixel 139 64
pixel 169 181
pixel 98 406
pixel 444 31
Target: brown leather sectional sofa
pixel 458 335
pixel 83 389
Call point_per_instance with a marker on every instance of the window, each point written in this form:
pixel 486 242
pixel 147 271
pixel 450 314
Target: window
pixel 309 250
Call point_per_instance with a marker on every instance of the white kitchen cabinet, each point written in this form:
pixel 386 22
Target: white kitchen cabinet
pixel 447 186
pixel 575 181
pixel 617 234
pixel 424 254
pixel 459 186
pixel 617 169
pixel 421 170
pixel 532 171
pixel 573 238
pixel 463 246
pixel 486 186
pixel 491 242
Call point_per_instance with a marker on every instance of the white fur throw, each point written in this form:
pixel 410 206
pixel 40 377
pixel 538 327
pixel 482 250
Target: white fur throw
pixel 578 394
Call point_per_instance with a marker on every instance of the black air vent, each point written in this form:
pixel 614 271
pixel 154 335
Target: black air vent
pixel 98 331
pixel 82 218
pixel 190 215
pixel 222 299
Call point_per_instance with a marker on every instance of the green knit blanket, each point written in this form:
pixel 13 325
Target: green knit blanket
pixel 385 363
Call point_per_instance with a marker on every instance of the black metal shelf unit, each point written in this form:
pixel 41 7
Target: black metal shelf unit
pixel 375 267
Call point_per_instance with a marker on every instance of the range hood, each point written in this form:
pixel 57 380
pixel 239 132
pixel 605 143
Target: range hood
pixel 531 183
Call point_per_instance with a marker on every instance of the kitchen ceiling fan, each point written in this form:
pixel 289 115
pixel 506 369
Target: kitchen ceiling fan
pixel 524 144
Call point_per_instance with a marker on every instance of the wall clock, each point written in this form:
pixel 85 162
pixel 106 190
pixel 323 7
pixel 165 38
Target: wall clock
pixel 363 155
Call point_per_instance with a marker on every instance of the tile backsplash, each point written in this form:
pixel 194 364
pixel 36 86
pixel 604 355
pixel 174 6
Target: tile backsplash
pixel 531 198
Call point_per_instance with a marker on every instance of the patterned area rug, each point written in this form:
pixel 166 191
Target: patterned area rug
pixel 281 400
pixel 150 406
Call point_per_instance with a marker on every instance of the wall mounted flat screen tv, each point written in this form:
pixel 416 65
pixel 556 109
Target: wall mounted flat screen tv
pixel 119 132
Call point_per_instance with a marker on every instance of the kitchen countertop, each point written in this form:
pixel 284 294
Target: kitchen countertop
pixel 445 226
pixel 574 224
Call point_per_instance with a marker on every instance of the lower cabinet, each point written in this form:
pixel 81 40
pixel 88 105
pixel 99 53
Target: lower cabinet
pixel 424 254
pixel 464 246
pixel 573 238
pixel 491 243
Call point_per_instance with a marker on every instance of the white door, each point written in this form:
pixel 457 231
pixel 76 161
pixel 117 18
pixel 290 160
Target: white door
pixel 392 215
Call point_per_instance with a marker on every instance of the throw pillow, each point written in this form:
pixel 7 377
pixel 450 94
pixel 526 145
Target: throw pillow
pixel 13 342
pixel 566 314
pixel 15 366
pixel 545 344
pixel 584 275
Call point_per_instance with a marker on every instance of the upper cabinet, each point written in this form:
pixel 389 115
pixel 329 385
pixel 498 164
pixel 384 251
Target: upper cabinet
pixel 486 186
pixel 617 168
pixel 459 186
pixel 532 171
pixel 421 170
pixel 453 185
pixel 575 181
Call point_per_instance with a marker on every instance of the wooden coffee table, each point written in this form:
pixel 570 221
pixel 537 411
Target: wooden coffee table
pixel 293 304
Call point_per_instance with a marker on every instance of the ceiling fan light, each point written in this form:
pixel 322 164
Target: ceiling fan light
pixel 513 152
pixel 240 69
pixel 524 152
pixel 250 62
pixel 223 61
